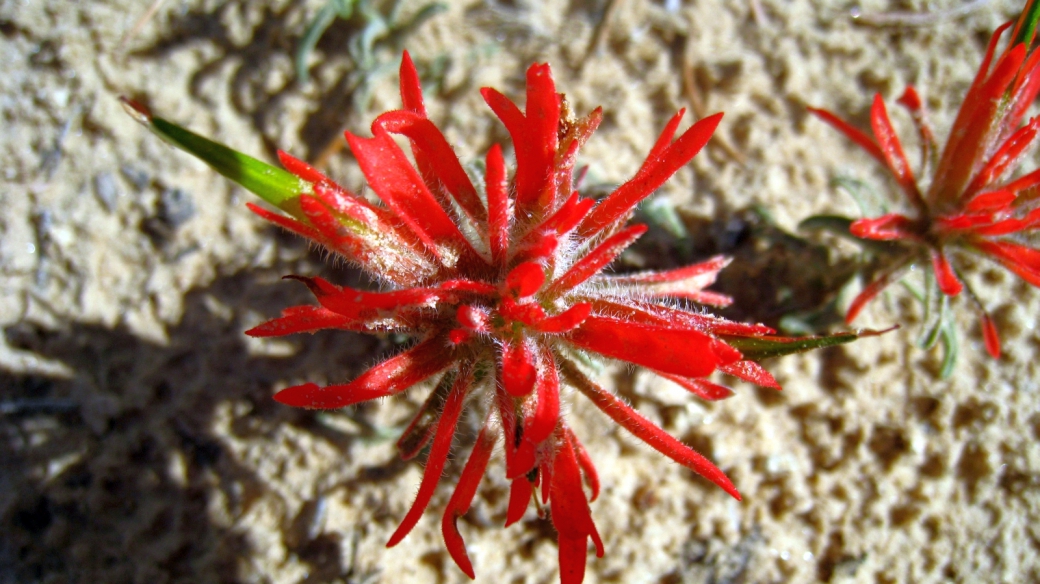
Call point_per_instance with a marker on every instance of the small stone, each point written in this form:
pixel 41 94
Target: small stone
pixel 136 176
pixel 176 207
pixel 106 190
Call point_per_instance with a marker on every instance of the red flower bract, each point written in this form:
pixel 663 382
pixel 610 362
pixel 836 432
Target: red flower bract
pixel 503 288
pixel 970 204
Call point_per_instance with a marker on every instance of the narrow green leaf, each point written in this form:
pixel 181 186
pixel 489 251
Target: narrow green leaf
pixel 322 21
pixel 950 347
pixel 755 348
pixel 270 183
pixel 870 203
pixel 935 318
pixel 836 224
pixel 1027 21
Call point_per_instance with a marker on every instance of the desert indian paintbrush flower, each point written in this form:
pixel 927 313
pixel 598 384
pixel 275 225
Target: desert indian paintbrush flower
pixel 502 286
pixel 970 204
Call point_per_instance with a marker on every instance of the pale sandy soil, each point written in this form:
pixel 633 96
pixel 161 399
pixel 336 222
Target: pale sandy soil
pixel 140 442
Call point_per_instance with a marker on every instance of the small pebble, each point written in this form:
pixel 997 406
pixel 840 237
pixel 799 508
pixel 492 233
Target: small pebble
pixel 136 176
pixel 176 207
pixel 106 190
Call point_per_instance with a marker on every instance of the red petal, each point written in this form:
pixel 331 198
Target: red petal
pixel 528 313
pixel 435 158
pixel 411 90
pixel 498 205
pixel 724 352
pixel 578 133
pixel 664 139
pixel 965 221
pixel 438 453
pixel 565 321
pixel 1009 153
pixel 520 492
pixel 304 319
pixel 523 460
pixel 1023 261
pixel 463 497
pixel 687 282
pixel 284 222
pixel 680 352
pixel 852 133
pixel 751 372
pixel 536 149
pixel 912 102
pixel 1008 226
pixel 518 368
pixel 392 376
pixel 519 453
pixel 618 204
pixel 423 425
pixel 1023 182
pixel 400 187
pixel 872 290
pixel 990 336
pixel 525 280
pixel 394 259
pixel 361 305
pixel 892 149
pixel 545 473
pixel 944 276
pixel 566 217
pixel 462 285
pixel 707 270
pixel 301 168
pixel 596 260
pixel 991 200
pixel 702 388
pixel 572 556
pixel 585 462
pixel 334 233
pixel 507 111
pixel 885 228
pixel 570 510
pixel 1023 94
pixel 701 297
pixel 659 315
pixel 978 122
pixel 537 246
pixel 473 318
pixel 365 217
pixel 541 424
pixel 646 431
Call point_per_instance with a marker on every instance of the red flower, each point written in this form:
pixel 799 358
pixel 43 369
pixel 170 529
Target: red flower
pixel 970 204
pixel 503 289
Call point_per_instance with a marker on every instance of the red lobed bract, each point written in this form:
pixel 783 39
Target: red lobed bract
pixel 503 289
pixel 970 204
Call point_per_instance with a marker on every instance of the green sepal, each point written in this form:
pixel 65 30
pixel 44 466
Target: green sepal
pixel 755 348
pixel 272 184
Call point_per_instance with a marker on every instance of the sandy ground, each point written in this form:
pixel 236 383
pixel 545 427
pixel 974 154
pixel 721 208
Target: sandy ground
pixel 140 442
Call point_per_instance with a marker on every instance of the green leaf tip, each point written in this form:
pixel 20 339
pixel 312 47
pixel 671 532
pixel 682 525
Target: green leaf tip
pixel 272 184
pixel 755 348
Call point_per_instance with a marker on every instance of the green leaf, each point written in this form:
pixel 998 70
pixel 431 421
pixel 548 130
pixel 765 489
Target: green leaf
pixel 950 347
pixel 322 21
pixel 1027 21
pixel 755 348
pixel 272 184
pixel 870 203
pixel 833 223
